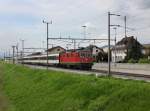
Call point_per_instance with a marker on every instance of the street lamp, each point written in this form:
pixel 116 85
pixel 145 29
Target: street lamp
pixel 47 23
pixel 109 64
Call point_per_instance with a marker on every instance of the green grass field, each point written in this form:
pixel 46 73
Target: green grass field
pixel 26 89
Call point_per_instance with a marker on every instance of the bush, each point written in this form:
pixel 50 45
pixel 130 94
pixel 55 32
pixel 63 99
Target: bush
pixel 144 60
pixel 132 61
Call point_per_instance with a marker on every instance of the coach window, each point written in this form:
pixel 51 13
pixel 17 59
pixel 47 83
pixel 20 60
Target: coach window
pixel 86 54
pixel 69 54
pixel 80 54
pixel 54 57
pixel 43 58
pixel 83 54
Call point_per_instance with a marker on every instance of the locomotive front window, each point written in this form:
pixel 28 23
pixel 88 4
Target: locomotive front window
pixel 89 55
pixel 82 54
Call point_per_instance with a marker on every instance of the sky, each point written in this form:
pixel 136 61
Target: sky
pixel 22 19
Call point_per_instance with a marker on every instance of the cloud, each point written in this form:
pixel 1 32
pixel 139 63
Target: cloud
pixel 23 19
pixel 145 4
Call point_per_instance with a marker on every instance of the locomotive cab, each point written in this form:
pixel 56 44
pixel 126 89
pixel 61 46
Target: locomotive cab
pixel 76 59
pixel 86 59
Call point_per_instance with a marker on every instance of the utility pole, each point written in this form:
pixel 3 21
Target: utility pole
pixel 67 46
pixel 125 23
pixel 47 23
pixel 74 44
pixel 17 51
pixel 109 44
pixel 9 57
pixel 43 45
pixel 22 52
pixel 52 45
pixel 109 25
pixel 13 54
pixel 115 28
pixel 4 56
pixel 84 31
pixel 125 28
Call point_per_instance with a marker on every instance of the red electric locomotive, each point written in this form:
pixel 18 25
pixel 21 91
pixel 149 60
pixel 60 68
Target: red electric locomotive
pixel 76 59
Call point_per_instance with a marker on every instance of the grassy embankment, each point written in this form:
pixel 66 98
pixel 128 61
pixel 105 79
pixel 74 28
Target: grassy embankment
pixel 38 90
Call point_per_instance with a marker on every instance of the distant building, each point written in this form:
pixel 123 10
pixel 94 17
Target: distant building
pixel 105 48
pixel 97 52
pixel 127 48
pixel 55 50
pixel 146 50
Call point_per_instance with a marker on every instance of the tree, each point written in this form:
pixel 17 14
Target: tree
pixel 134 51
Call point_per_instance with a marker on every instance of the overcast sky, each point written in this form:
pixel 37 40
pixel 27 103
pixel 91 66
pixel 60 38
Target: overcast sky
pixel 22 19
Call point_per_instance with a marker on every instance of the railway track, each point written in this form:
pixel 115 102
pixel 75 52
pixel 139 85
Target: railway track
pixel 122 75
pixel 125 75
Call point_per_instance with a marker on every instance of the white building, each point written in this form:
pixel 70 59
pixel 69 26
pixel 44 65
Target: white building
pixel 97 52
pixel 146 50
pixel 118 53
pixel 123 49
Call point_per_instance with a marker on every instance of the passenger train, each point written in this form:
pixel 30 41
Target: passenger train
pixel 69 59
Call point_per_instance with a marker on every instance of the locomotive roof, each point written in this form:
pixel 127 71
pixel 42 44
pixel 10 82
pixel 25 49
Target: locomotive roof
pixel 55 48
pixel 78 50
